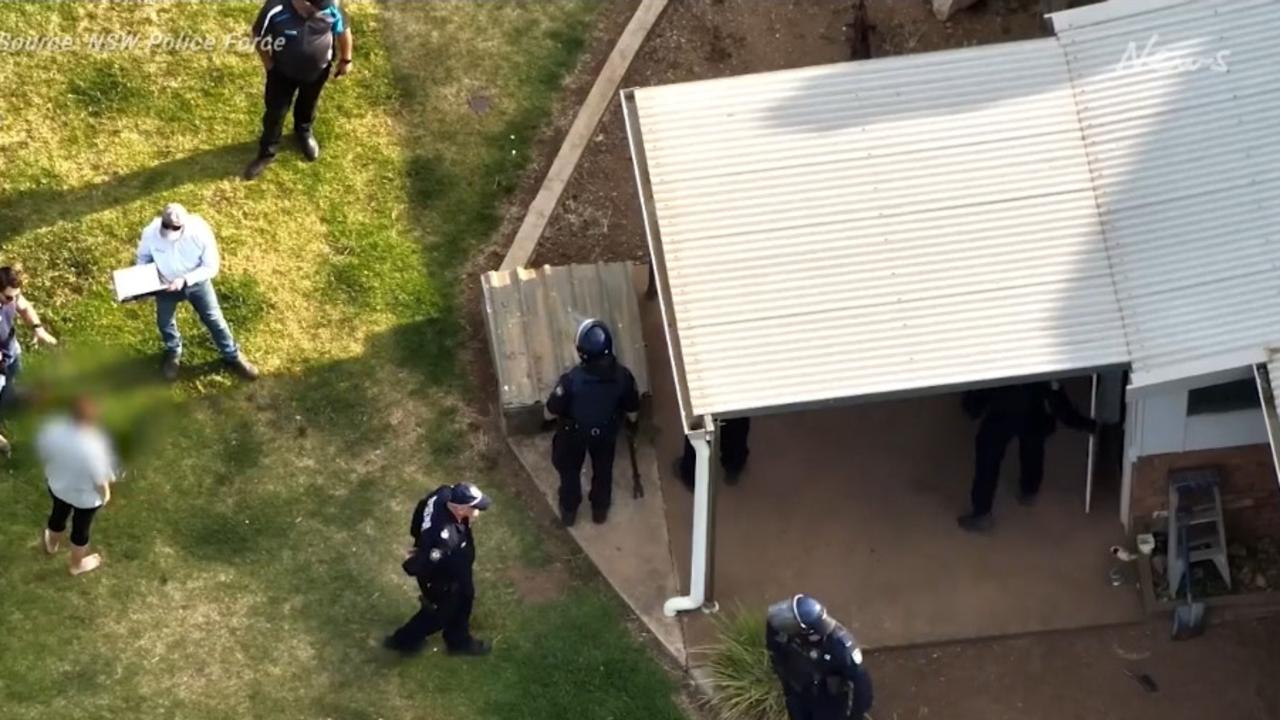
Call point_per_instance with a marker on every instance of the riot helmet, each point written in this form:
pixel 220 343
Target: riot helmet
pixel 594 341
pixel 800 615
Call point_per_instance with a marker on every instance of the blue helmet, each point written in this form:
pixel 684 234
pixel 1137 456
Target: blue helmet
pixel 594 340
pixel 801 614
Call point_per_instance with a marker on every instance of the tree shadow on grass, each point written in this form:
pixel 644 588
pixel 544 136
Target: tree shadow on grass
pixel 35 208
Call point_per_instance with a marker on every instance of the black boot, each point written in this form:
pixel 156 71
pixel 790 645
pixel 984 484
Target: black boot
pixel 975 523
pixel 310 148
pixel 256 167
pixel 391 643
pixel 476 648
pixel 169 366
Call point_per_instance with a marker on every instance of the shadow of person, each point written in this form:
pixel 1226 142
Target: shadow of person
pixel 35 208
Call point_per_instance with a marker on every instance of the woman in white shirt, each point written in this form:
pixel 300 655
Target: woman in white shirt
pixel 80 466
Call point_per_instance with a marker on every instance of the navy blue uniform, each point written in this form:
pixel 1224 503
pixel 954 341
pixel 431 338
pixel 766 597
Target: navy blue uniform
pixel 444 553
pixel 1028 412
pixel 733 451
pixel 822 679
pixel 589 401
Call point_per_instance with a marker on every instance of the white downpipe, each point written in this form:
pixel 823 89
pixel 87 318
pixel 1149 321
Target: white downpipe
pixel 701 513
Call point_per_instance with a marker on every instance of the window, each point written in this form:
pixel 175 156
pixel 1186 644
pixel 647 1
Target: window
pixel 1224 398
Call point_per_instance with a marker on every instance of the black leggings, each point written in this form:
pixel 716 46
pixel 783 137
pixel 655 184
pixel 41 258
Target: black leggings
pixel 81 519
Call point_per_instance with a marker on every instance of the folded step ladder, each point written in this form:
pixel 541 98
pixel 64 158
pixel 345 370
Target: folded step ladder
pixel 1195 502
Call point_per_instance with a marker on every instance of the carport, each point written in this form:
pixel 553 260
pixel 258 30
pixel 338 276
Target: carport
pixel 838 250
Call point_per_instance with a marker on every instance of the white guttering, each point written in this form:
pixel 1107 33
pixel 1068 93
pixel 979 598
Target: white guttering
pixel 698 565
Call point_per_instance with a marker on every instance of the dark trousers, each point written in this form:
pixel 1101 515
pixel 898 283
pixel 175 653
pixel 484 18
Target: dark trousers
pixel 993 438
pixel 445 607
pixel 277 97
pixel 733 450
pixel 569 450
pixel 81 519
pixel 7 395
pixel 810 707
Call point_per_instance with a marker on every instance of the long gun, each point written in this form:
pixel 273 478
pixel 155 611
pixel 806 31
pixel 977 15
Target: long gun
pixel 637 488
pixel 858 32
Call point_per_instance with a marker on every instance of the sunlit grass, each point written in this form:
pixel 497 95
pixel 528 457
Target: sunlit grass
pixel 253 549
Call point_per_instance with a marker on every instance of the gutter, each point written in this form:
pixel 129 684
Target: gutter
pixel 697 596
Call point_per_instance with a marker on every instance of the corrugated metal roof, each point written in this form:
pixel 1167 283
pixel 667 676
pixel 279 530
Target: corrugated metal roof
pixel 1186 166
pixel 954 218
pixel 869 228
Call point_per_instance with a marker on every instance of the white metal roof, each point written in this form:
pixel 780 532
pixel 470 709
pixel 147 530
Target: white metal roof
pixel 937 220
pixel 1186 166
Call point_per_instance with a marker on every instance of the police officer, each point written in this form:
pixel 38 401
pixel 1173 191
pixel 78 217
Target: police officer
pixel 817 660
pixel 588 402
pixel 1027 412
pixel 733 452
pixel 441 559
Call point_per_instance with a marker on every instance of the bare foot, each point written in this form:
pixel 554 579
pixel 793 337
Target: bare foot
pixel 51 541
pixel 90 562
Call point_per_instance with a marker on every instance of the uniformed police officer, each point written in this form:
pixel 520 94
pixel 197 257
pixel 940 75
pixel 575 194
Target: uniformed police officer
pixel 441 560
pixel 733 452
pixel 589 401
pixel 817 660
pixel 1026 412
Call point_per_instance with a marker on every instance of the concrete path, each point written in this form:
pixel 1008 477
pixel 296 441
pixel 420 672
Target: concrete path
pixel 857 505
pixel 631 550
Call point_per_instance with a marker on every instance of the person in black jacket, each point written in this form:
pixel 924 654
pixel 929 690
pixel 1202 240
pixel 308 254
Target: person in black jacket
pixel 441 560
pixel 733 452
pixel 817 661
pixel 1027 412
pixel 589 401
pixel 301 43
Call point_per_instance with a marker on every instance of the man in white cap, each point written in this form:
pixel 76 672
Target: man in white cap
pixel 441 560
pixel 186 254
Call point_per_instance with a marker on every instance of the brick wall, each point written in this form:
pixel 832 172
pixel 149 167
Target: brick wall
pixel 1250 492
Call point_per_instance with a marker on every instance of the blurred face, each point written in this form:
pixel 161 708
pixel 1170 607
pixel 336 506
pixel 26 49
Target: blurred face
pixel 169 231
pixel 10 295
pixel 85 410
pixel 464 512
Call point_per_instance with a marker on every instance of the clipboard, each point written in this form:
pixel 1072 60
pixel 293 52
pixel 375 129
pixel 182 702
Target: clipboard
pixel 136 282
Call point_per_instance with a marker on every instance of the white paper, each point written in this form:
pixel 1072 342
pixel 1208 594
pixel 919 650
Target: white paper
pixel 136 281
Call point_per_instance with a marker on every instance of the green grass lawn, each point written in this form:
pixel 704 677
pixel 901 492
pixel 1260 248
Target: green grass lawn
pixel 252 552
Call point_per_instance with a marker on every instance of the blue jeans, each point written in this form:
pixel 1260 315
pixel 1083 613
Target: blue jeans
pixel 205 301
pixel 11 370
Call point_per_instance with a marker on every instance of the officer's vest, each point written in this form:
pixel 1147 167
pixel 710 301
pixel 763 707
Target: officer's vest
pixel 596 400
pixel 806 671
pixel 307 44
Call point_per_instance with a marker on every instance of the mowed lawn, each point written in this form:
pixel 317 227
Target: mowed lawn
pixel 252 552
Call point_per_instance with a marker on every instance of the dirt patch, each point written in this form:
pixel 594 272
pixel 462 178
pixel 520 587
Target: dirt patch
pixel 539 585
pixel 598 218
pixel 1090 675
pixel 610 21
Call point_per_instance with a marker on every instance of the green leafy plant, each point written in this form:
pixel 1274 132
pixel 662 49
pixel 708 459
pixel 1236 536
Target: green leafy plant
pixel 744 686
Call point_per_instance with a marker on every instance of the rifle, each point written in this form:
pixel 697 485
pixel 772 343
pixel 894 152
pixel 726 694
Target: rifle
pixel 637 489
pixel 858 32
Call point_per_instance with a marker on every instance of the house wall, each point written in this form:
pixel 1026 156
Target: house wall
pixel 1161 438
pixel 1165 427
pixel 1250 491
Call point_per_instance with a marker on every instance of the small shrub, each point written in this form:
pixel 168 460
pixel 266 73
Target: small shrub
pixel 744 685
